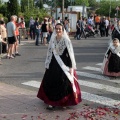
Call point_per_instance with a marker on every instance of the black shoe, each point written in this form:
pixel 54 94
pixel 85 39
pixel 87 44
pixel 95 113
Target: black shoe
pixel 50 107
pixel 17 54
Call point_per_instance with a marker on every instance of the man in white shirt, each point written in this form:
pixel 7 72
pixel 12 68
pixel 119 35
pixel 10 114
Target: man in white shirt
pixel 58 20
pixel 106 26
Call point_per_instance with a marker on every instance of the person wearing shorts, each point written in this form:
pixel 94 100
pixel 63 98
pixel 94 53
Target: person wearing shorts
pixel 11 36
pixel 44 31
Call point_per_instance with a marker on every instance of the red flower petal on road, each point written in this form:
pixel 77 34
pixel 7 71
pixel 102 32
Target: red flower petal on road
pixel 24 117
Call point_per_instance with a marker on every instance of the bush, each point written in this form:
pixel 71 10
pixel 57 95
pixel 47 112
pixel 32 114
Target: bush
pixel 40 13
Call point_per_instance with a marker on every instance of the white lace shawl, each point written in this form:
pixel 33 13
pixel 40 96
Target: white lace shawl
pixel 60 47
pixel 115 50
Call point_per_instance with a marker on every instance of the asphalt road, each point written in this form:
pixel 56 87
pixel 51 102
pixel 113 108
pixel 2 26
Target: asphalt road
pixel 29 69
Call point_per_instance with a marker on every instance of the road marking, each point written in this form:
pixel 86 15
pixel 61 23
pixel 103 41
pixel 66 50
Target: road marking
pixel 85 74
pixel 87 96
pixel 99 64
pixel 32 83
pixel 101 100
pixel 97 77
pixel 92 68
pixel 100 86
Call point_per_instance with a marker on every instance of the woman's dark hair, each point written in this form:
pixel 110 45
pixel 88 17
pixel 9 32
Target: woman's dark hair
pixel 60 25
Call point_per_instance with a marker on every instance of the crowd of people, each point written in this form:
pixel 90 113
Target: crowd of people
pixel 45 29
pixel 10 36
pixel 12 32
pixel 91 26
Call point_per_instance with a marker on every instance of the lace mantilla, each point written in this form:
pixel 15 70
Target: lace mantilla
pixel 59 46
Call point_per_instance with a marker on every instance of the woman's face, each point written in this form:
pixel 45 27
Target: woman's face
pixel 115 43
pixel 59 30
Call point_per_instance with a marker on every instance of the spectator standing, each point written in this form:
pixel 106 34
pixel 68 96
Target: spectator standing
pixel 50 28
pixel 1 50
pixel 11 36
pixel 58 20
pixel 102 27
pixel 17 25
pixel 32 28
pixel 67 26
pixel 3 33
pixel 97 21
pixel 90 21
pixel 23 30
pixel 44 28
pixel 53 22
pixel 106 26
pixel 80 25
pixel 37 31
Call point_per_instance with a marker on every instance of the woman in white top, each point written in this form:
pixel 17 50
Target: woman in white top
pixel 59 86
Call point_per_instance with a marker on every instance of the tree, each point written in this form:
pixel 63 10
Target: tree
pixel 39 4
pixel 27 4
pixel 1 2
pixel 104 8
pixel 3 9
pixel 12 7
pixel 93 3
pixel 82 2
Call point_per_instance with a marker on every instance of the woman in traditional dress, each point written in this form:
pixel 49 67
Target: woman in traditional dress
pixel 59 86
pixel 116 31
pixel 111 64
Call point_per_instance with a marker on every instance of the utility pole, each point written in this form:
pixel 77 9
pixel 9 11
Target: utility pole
pixel 62 10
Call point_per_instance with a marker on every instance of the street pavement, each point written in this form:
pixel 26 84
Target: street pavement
pixel 20 79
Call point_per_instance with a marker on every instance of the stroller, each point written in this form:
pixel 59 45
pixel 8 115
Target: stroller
pixel 91 31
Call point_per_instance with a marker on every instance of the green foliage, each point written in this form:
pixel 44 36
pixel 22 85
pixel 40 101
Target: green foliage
pixel 40 4
pixel 27 4
pixel 93 3
pixel 40 13
pixel 82 2
pixel 12 7
pixel 1 15
pixel 5 18
pixel 3 9
pixel 104 8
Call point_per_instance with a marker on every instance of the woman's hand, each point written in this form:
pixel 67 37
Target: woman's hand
pixel 71 71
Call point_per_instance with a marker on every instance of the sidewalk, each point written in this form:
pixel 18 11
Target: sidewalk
pixel 21 104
